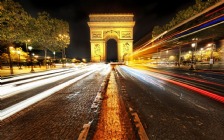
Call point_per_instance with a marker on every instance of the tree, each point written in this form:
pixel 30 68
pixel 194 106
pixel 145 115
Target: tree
pixel 60 35
pixel 13 23
pixel 51 34
pixel 183 15
pixel 17 26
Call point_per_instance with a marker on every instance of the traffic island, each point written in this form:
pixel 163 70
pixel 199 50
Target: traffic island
pixel 113 122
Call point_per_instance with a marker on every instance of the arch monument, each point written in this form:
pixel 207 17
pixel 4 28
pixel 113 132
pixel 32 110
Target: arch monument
pixel 110 26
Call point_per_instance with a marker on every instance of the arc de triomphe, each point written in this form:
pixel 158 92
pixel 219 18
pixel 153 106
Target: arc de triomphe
pixel 111 26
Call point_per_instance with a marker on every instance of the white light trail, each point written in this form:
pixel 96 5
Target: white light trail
pixel 7 112
pixel 11 90
pixel 30 75
pixel 31 79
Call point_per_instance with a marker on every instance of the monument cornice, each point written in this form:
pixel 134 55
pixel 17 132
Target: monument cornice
pixel 111 24
pixel 110 17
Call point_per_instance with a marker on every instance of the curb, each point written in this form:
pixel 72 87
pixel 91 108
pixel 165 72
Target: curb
pixel 84 132
pixel 135 120
pixel 141 131
pixel 95 107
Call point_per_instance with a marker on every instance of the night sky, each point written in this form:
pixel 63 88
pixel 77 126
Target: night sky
pixel 147 14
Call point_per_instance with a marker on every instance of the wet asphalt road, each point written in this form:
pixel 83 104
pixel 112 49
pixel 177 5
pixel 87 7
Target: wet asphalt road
pixel 168 111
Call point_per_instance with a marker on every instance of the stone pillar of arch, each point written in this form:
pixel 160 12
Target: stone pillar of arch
pixel 111 26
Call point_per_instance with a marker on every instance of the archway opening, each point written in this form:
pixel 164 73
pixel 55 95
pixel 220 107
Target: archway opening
pixel 112 54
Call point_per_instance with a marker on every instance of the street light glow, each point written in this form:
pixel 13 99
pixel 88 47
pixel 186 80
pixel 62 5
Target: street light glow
pixel 30 48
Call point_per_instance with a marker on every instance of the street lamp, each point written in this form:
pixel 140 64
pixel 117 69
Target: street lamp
pixel 48 62
pixel 31 58
pixel 84 60
pixel 193 45
pixel 27 41
pixel 54 55
pixel 211 55
pixel 18 52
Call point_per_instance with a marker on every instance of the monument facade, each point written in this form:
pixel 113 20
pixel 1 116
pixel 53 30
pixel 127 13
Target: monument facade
pixel 111 26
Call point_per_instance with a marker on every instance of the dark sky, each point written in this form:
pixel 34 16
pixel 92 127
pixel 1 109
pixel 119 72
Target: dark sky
pixel 147 14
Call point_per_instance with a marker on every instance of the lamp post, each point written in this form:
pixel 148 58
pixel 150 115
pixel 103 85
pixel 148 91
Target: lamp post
pixel 63 58
pixel 27 41
pixel 18 52
pixel 54 55
pixel 193 45
pixel 31 58
pixel 211 55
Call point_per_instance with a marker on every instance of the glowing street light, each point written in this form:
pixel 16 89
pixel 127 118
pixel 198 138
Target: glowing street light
pixel 31 58
pixel 167 57
pixel 193 45
pixel 54 55
pixel 84 60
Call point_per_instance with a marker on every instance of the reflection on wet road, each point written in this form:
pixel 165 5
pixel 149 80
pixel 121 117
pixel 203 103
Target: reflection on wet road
pixel 174 106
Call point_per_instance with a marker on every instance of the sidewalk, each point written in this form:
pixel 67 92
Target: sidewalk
pixel 114 122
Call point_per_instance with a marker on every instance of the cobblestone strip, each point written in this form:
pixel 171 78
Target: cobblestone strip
pixel 112 124
pixel 95 106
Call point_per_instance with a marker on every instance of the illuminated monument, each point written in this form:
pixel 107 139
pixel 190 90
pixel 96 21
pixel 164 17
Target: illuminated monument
pixel 111 26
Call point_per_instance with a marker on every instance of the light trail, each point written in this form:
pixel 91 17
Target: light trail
pixel 185 77
pixel 209 14
pixel 11 90
pixel 7 112
pixel 142 77
pixel 204 25
pixel 150 41
pixel 195 89
pixel 43 76
pixel 196 31
pixel 30 75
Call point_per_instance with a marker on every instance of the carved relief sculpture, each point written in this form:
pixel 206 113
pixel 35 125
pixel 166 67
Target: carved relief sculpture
pixel 125 34
pixel 126 47
pixel 96 35
pixel 97 49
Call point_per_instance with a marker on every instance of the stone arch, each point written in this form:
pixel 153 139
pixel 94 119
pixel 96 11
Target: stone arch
pixel 111 50
pixel 111 26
